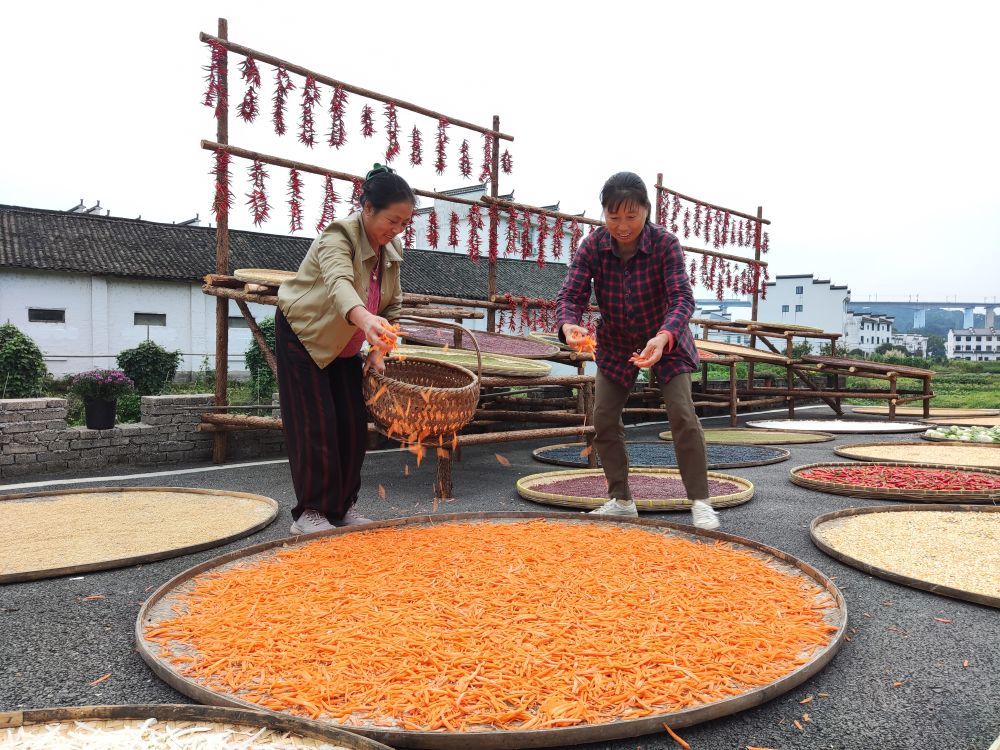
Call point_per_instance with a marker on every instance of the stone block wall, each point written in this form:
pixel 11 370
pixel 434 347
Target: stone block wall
pixel 35 439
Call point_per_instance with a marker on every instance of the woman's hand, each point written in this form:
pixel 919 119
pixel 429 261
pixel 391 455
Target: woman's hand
pixel 374 361
pixel 574 334
pixel 376 328
pixel 655 348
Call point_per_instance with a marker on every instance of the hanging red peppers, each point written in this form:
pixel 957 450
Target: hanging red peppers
pixel 453 230
pixel 557 238
pixel 307 126
pixel 575 233
pixel 409 235
pixel 330 201
pixel 442 141
pixel 511 247
pixel 294 200
pixel 764 243
pixel 687 223
pixel 367 121
pixel 475 226
pixel 249 107
pixel 543 237
pixel 216 92
pixel 392 132
pixel 337 136
pixel 526 248
pixel 494 214
pixel 257 197
pixel 356 194
pixel 506 162
pixel 223 200
pixel 416 148
pixel 464 160
pixel 432 229
pixel 282 85
pixel 486 171
pixel 697 220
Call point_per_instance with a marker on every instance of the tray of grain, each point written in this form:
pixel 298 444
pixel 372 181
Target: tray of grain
pixel 747 436
pixel 948 454
pixel 886 480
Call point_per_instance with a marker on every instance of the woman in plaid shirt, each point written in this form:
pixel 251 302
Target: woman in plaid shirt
pixel 645 299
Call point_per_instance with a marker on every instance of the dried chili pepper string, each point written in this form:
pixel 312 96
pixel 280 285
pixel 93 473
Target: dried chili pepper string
pixel 429 633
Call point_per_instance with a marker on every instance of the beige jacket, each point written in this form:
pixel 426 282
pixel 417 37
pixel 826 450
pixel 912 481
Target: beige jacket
pixel 332 279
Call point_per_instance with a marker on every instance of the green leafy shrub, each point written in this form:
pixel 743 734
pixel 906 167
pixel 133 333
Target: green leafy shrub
pixel 150 367
pixel 129 408
pixel 261 378
pixel 22 369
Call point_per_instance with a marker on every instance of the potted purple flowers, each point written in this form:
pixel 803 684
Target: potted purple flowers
pixel 100 390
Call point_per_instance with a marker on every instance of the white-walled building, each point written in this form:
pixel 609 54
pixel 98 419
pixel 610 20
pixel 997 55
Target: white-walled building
pixel 866 332
pixel 978 344
pixel 804 300
pixel 914 343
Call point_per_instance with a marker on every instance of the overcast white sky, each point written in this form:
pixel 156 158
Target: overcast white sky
pixel 868 131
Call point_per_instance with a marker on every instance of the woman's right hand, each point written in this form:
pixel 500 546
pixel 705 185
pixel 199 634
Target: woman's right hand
pixel 376 328
pixel 574 334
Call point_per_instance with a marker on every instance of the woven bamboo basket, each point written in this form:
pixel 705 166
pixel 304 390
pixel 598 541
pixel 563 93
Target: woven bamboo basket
pixel 958 455
pixel 529 488
pixel 984 421
pixel 892 493
pixel 437 399
pixel 265 276
pixel 748 436
pixel 918 411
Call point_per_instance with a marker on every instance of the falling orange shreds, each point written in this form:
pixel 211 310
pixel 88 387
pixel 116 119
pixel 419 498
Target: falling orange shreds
pixel 502 460
pixel 454 440
pixel 426 395
pixel 378 394
pixel 442 453
pixel 806 717
pixel 943 619
pixel 806 700
pixel 99 680
pixel 823 695
pixel 798 725
pixel 441 440
pixel 472 617
pixel 751 747
pixel 400 357
pixel 897 684
pixel 381 492
pixel 406 470
pixel 965 664
pixel 587 451
pixel 676 737
pixel 94 598
pixel 444 348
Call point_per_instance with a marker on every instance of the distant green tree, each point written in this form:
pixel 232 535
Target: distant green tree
pixel 936 346
pixel 261 377
pixel 802 349
pixel 884 348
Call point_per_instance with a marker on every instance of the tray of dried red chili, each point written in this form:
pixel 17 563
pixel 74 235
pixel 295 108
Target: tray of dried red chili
pixel 898 481
pixel 494 343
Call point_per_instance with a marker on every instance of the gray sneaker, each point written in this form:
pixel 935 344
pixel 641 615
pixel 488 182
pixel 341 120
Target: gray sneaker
pixel 703 515
pixel 615 507
pixel 352 519
pixel 310 522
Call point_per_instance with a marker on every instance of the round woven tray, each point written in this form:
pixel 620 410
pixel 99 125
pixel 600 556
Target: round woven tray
pixel 839 426
pixel 265 276
pixel 957 454
pixel 549 338
pixel 829 521
pixel 918 411
pixel 735 350
pixel 985 421
pixel 532 488
pixel 291 731
pixel 777 326
pixel 159 523
pixel 662 455
pixel 162 603
pixel 491 343
pixel 493 364
pixel 892 493
pixel 745 436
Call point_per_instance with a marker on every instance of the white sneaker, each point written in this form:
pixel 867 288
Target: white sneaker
pixel 352 519
pixel 615 507
pixel 704 515
pixel 310 522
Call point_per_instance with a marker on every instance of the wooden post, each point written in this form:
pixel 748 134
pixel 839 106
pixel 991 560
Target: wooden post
pixel 491 283
pixel 222 266
pixel 443 488
pixel 660 219
pixel 756 293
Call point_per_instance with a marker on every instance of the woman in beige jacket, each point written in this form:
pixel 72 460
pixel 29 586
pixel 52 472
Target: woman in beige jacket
pixel 345 292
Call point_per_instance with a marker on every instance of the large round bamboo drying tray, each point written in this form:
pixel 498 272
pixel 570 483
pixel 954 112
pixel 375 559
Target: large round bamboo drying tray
pixel 265 276
pixel 719 456
pixel 918 411
pixel 549 338
pixel 746 436
pixel 777 326
pixel 301 733
pixel 958 455
pixel 893 493
pixel 758 355
pixel 491 343
pixel 493 364
pixel 840 426
pixel 529 488
pixel 828 520
pixel 985 421
pixel 159 607
pixel 143 539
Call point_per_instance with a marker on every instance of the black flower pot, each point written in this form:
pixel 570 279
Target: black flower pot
pixel 100 413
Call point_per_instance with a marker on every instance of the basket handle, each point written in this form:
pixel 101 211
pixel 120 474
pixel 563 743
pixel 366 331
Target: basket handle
pixel 455 327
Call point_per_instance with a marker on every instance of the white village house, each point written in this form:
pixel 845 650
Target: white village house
pixel 804 300
pixel 979 344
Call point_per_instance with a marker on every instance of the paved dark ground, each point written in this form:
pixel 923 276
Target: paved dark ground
pixel 53 644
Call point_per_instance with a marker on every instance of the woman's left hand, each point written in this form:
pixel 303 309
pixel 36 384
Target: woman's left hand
pixel 375 359
pixel 654 350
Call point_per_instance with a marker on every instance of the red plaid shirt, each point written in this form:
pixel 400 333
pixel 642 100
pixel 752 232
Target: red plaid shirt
pixel 638 299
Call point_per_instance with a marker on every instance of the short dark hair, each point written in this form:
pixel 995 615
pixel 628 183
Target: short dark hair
pixel 624 188
pixel 383 187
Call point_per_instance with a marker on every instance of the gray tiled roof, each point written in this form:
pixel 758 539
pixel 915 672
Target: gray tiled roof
pixel 113 246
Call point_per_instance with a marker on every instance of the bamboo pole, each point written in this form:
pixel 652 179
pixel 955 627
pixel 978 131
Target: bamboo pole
pixel 529 416
pixel 491 279
pixel 242 421
pixel 222 261
pixel 485 438
pixel 239 49
pixel 440 312
pixel 495 381
pixel 239 294
pixel 730 211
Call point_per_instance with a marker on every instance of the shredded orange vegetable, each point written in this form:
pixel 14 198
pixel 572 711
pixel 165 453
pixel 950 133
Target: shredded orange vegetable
pixel 481 626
